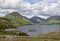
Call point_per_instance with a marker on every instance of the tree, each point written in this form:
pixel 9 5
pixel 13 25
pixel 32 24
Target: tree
pixel 23 34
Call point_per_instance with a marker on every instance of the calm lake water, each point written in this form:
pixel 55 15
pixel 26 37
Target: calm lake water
pixel 38 29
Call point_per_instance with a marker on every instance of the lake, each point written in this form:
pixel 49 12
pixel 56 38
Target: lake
pixel 33 30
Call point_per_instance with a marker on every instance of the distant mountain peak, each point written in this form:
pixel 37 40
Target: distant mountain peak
pixel 53 20
pixel 56 17
pixel 17 19
pixel 15 14
pixel 36 19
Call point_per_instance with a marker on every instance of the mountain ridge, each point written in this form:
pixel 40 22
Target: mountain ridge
pixel 17 19
pixel 53 20
pixel 36 19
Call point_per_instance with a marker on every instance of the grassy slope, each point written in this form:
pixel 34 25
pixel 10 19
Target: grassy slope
pixel 18 20
pixel 52 21
pixel 12 21
pixel 54 36
pixel 4 23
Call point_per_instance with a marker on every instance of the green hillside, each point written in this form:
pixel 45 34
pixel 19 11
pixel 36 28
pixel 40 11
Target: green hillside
pixel 54 20
pixel 4 23
pixel 17 19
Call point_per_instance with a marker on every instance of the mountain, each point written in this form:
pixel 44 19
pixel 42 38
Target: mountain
pixel 5 23
pixel 36 19
pixel 53 20
pixel 17 19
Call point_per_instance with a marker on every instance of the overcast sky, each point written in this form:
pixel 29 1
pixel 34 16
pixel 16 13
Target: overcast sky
pixel 30 8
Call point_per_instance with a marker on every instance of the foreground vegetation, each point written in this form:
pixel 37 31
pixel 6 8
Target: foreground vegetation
pixel 54 36
pixel 17 33
pixel 30 39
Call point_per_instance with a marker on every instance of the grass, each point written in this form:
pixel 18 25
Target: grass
pixel 8 32
pixel 17 20
pixel 16 33
pixel 54 36
pixel 28 39
pixel 51 22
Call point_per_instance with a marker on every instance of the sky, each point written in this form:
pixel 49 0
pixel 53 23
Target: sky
pixel 30 8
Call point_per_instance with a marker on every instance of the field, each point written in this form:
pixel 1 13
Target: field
pixel 28 39
pixel 54 36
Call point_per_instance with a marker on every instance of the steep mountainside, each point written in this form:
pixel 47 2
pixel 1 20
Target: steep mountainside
pixel 5 23
pixel 36 19
pixel 53 20
pixel 17 19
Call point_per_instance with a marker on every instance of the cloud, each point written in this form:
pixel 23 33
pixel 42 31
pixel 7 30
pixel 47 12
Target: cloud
pixel 41 8
pixel 9 3
pixel 47 8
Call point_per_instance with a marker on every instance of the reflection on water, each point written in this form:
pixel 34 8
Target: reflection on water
pixel 38 29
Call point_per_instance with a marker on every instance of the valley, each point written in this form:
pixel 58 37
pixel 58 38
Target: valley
pixel 31 29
